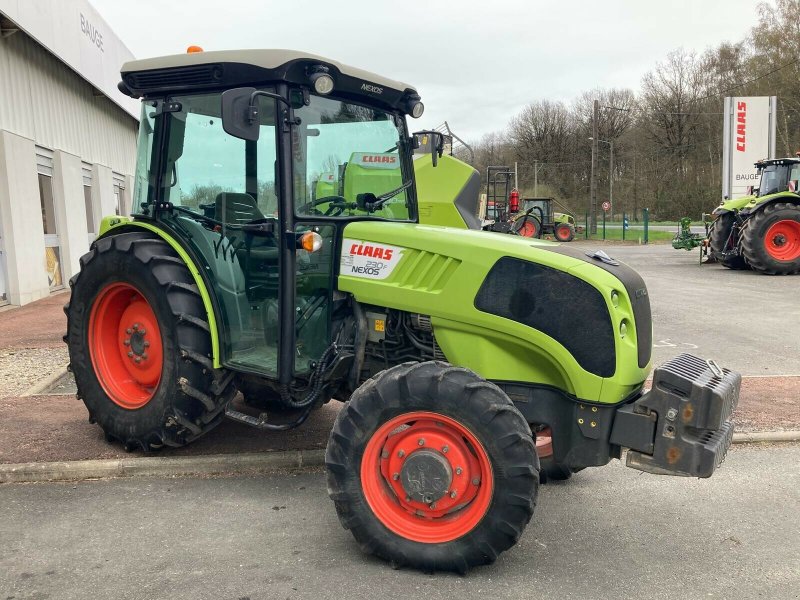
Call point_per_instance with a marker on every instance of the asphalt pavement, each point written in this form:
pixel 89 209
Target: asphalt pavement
pixel 609 532
pixel 743 320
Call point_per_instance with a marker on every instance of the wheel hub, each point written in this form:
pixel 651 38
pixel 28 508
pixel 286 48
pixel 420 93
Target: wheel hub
pixel 136 341
pixel 779 240
pixel 426 476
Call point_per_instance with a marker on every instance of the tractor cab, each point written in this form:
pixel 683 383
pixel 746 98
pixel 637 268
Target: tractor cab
pixel 777 175
pixel 258 179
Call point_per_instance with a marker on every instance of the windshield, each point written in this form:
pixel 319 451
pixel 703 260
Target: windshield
pixel 348 161
pixel 774 178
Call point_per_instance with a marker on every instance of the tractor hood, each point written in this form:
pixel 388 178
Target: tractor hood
pixel 733 205
pixel 554 303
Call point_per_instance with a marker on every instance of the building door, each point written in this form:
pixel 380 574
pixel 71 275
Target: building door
pixel 52 258
pixel 91 224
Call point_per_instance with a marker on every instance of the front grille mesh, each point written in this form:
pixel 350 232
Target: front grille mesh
pixel 183 77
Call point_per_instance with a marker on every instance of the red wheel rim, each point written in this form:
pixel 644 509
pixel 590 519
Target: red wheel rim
pixel 783 240
pixel 125 345
pixel 544 443
pixel 468 493
pixel 528 229
pixel 562 233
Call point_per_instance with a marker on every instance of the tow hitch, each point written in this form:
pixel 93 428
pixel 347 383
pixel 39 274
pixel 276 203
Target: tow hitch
pixel 683 425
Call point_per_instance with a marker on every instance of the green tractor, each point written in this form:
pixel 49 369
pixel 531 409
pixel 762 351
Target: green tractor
pixel 537 219
pixel 761 231
pixel 452 349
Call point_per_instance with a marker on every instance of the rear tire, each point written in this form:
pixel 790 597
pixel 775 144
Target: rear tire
pixel 528 227
pixel 183 396
pixel 565 232
pixel 771 239
pixel 450 419
pixel 722 243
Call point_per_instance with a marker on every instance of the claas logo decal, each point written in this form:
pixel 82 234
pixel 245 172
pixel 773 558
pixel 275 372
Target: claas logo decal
pixel 373 251
pixel 372 158
pixel 368 260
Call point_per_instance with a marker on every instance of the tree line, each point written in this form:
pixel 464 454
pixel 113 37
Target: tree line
pixel 667 136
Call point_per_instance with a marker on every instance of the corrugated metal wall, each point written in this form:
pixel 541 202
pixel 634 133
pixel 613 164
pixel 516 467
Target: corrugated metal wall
pixel 44 100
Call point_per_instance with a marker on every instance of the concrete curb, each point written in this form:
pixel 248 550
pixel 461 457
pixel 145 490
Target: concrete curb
pixel 766 436
pixel 154 466
pixel 41 385
pixel 230 464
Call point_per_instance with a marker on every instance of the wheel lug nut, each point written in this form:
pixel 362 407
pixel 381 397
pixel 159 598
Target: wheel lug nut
pixel 445 449
pixel 142 331
pixel 458 471
pixel 147 344
pixel 138 359
pixel 421 442
pixel 453 494
pixel 144 356
pixel 396 476
pixel 136 326
pixel 129 331
pixel 476 481
pixel 432 505
pixel 401 454
pixel 127 342
pixel 130 354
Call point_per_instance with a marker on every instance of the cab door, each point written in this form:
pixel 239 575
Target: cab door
pixel 225 206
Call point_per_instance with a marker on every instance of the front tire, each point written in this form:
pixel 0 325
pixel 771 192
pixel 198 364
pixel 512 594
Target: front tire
pixel 565 232
pixel 723 243
pixel 771 239
pixel 140 345
pixel 432 467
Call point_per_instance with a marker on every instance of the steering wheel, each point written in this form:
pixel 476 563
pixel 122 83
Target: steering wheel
pixel 338 204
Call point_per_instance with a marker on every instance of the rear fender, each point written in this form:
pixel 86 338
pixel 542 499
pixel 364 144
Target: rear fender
pixel 117 225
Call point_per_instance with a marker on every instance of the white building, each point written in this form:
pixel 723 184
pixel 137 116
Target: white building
pixel 67 140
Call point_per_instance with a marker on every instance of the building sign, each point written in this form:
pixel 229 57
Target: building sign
pixel 748 136
pixel 77 35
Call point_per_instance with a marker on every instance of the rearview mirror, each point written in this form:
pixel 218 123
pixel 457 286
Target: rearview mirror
pixel 430 141
pixel 238 118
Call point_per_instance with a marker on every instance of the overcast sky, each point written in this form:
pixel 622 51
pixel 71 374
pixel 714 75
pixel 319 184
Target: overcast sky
pixel 475 63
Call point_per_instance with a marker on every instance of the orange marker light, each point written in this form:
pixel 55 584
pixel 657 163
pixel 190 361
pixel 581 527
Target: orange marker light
pixel 193 49
pixel 311 241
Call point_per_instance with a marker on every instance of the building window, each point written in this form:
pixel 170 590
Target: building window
pixel 52 256
pixel 119 194
pixel 91 227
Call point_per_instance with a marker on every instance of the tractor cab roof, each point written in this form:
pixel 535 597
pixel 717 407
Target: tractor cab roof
pixel 225 69
pixel 792 160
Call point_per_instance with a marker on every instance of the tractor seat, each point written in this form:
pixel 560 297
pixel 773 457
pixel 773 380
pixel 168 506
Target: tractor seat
pixel 234 208
pixel 257 255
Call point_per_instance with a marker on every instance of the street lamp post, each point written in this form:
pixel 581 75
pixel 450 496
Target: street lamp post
pixel 610 169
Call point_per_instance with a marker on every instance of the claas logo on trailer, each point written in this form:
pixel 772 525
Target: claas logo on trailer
pixel 375 160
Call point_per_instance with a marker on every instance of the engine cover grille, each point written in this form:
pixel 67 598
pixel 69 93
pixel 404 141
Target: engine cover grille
pixel 566 308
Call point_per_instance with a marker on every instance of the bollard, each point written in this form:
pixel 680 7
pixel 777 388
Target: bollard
pixel 646 219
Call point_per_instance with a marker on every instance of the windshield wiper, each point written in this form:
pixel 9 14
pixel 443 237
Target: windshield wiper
pixel 389 195
pixel 370 202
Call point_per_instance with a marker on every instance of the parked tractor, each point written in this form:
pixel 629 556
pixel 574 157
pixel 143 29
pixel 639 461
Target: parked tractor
pixel 761 231
pixel 537 219
pixel 532 217
pixel 452 349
